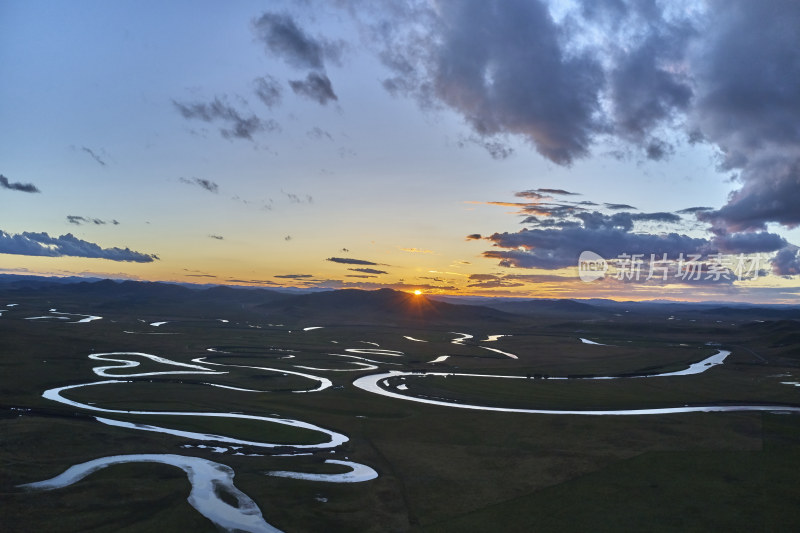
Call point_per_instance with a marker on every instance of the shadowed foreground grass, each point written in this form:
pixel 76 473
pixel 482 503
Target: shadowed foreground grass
pixel 440 468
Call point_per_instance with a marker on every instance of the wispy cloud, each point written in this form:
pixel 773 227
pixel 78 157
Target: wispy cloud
pixel 93 155
pixel 315 87
pixel 252 281
pixel 208 185
pixel 348 261
pixel 693 210
pixel 17 186
pixel 497 149
pixel 268 90
pixel 237 125
pixel 79 221
pixel 42 244
pixel 416 251
pixel 297 198
pixel 555 191
pixel 294 276
pixel 618 207
pixel 368 270
pixel 283 37
pixel 318 133
pixel 490 281
pixel 217 237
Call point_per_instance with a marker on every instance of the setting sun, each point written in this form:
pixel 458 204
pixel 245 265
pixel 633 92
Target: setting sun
pixel 417 292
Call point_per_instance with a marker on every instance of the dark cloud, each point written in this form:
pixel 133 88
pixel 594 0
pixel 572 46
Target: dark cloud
pixel 368 270
pixel 503 67
pixel 78 221
pixel 359 276
pixel 42 244
pixel 208 185
pixel 771 193
pixel 294 276
pixel 645 88
pixel 748 105
pixel 284 38
pixel 748 75
pixel 787 262
pixel 596 220
pixel 474 236
pixel 551 223
pixel 17 186
pixel 721 72
pixel 482 277
pixel 559 248
pixel 557 242
pixel 216 237
pixel 655 217
pixel 557 191
pixel 94 155
pixel 316 87
pixel 552 210
pixel 618 207
pixel 539 194
pixel 748 243
pixel 348 261
pixel 268 90
pixel 237 126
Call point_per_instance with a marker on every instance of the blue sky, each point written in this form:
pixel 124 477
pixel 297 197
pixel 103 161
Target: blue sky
pixel 252 143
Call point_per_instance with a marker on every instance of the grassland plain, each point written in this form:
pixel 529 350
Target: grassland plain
pixel 440 468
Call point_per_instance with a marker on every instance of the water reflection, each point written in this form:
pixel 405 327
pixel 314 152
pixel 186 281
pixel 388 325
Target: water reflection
pixel 209 481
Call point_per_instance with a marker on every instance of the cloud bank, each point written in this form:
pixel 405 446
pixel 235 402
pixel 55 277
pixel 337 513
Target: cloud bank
pixel 42 244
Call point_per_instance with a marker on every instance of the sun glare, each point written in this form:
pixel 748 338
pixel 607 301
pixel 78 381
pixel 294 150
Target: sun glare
pixel 417 292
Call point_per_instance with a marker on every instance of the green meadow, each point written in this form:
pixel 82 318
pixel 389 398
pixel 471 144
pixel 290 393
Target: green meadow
pixel 440 468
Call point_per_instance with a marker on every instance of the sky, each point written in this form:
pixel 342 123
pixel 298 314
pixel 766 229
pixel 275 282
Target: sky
pixel 620 149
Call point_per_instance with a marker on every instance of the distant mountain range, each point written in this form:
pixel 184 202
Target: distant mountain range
pixel 379 307
pixel 351 306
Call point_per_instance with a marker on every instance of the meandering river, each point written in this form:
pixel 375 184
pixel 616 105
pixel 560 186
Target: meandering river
pixel 212 483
